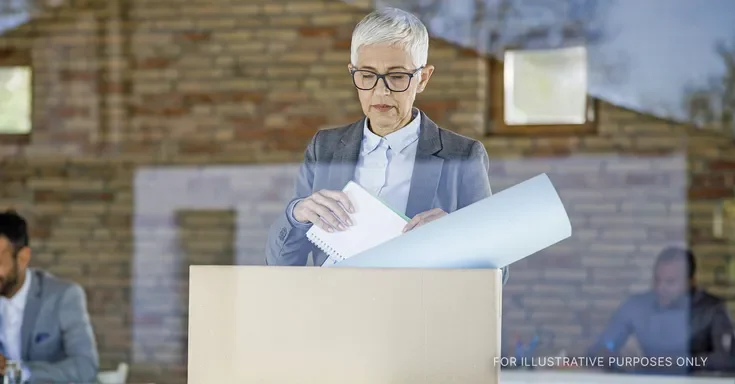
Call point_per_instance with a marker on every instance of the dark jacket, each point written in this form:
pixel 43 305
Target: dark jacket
pixel 696 326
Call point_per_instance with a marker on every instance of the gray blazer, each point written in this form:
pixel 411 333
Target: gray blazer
pixel 450 172
pixel 58 344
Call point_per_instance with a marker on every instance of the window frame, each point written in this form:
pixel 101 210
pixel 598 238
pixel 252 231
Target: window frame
pixel 13 57
pixel 496 111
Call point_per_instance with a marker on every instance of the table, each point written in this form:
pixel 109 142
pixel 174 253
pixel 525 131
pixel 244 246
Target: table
pixel 596 377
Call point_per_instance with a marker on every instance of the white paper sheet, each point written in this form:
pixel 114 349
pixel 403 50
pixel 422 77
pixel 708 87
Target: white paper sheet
pixel 373 223
pixel 492 233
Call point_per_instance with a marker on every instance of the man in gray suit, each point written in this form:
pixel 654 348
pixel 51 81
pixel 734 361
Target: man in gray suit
pixel 396 151
pixel 44 324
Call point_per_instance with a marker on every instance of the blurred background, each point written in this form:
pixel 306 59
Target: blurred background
pixel 140 137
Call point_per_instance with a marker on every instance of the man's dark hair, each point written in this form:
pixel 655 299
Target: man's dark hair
pixel 675 253
pixel 14 227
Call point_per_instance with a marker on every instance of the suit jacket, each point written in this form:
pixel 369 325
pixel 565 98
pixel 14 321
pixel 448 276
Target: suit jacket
pixel 450 172
pixel 58 343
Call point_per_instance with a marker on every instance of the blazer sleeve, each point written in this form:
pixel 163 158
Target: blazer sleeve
pixel 475 182
pixel 82 360
pixel 287 244
pixel 722 337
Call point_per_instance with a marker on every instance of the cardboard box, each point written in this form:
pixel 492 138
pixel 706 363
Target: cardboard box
pixel 303 325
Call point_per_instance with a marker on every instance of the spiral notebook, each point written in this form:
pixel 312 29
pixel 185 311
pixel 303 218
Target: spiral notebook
pixel 373 223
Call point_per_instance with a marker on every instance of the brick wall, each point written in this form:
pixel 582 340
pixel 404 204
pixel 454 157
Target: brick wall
pixel 166 131
pixel 711 164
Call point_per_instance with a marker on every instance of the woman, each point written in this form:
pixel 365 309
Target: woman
pixel 396 151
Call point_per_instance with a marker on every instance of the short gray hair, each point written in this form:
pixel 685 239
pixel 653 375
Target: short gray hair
pixel 394 27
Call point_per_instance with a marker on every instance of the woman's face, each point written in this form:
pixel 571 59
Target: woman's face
pixel 388 110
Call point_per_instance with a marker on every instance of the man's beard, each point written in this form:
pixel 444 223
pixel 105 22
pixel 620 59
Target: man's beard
pixel 9 283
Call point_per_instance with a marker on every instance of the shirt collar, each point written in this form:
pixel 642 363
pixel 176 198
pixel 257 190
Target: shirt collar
pixel 19 300
pixel 397 140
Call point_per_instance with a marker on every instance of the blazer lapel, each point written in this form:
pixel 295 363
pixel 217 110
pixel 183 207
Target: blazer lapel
pixel 30 313
pixel 344 162
pixel 426 170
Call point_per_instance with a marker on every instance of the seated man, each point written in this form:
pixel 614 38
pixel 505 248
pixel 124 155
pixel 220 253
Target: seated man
pixel 674 320
pixel 44 325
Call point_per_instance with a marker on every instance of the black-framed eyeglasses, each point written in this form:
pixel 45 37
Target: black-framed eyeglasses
pixel 395 81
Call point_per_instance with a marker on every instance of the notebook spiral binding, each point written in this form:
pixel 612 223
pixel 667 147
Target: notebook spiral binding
pixel 331 252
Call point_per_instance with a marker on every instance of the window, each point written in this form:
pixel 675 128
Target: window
pixel 15 100
pixel 541 92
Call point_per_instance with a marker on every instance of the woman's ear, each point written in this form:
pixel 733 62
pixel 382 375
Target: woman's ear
pixel 425 76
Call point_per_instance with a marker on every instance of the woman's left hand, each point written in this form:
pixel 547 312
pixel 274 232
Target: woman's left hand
pixel 423 218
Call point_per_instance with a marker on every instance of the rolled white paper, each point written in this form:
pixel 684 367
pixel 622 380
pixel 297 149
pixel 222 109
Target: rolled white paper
pixel 491 233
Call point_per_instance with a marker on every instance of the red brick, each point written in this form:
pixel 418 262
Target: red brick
pixel 247 122
pixel 644 152
pixel 62 197
pixel 275 108
pixel 547 152
pixel 558 142
pixel 289 145
pixel 153 63
pixel 255 132
pixel 712 180
pixel 342 44
pixel 118 220
pixel 137 147
pixel 223 97
pixel 94 171
pixel 318 31
pixel 166 111
pixel 353 117
pixel 39 232
pixel 296 137
pixel 72 75
pixel 709 193
pixel 194 37
pixel 65 112
pixel 64 137
pixel 722 165
pixel 305 126
pixel 163 98
pixel 13 174
pixel 110 87
pixel 468 53
pixel 697 235
pixel 439 110
pixel 6 52
pixel 199 148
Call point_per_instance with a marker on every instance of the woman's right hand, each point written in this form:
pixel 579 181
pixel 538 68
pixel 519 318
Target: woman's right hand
pixel 327 209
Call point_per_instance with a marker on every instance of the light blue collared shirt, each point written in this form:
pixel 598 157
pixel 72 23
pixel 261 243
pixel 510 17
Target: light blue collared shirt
pixel 384 166
pixel 386 163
